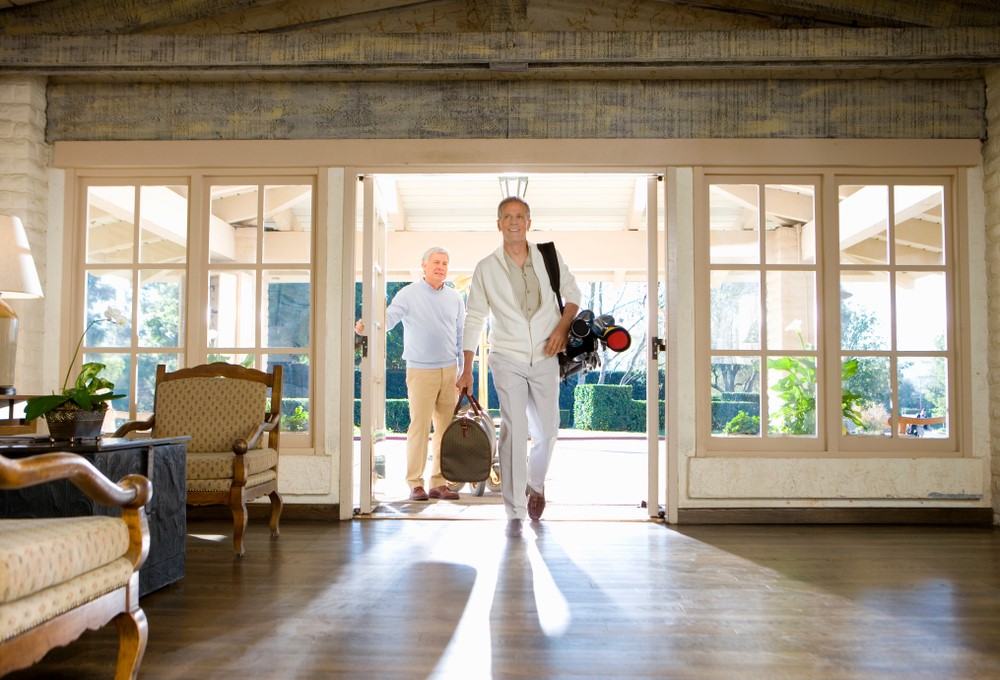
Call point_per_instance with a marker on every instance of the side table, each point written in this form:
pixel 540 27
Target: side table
pixel 161 460
pixel 11 425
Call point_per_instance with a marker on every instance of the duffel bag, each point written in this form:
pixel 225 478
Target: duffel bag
pixel 468 443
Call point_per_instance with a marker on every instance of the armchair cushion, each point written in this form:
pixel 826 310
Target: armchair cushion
pixel 40 553
pixel 219 464
pixel 228 409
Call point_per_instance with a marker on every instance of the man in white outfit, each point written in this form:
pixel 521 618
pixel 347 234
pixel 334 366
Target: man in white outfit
pixel 511 287
pixel 433 316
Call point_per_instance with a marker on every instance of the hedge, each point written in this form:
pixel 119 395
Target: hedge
pixel 608 408
pixel 724 411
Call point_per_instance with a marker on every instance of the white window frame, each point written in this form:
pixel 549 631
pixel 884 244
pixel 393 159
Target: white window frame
pixel 830 441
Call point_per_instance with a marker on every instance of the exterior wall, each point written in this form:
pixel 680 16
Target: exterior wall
pixel 625 109
pixel 24 191
pixel 991 188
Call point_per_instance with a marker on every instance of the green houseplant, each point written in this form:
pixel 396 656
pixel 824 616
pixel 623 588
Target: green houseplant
pixel 78 410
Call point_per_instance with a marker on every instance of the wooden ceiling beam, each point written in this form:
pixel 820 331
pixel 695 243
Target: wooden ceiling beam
pixel 494 55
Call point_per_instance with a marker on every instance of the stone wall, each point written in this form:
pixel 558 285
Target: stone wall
pixel 24 192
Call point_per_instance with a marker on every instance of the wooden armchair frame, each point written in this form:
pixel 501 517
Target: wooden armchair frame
pixel 239 493
pixel 120 605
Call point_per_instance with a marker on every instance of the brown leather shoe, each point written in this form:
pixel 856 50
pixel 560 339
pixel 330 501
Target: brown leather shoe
pixel 418 494
pixel 536 505
pixel 443 493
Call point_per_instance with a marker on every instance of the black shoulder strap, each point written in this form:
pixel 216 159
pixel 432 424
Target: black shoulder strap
pixel 548 251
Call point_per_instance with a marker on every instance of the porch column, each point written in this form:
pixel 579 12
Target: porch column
pixel 991 188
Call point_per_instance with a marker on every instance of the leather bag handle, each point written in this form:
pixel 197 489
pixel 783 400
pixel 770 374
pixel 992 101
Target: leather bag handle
pixel 473 403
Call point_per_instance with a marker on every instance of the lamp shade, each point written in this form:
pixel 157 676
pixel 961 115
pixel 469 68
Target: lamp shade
pixel 18 278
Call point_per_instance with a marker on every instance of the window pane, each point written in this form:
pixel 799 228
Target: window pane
pixel 117 369
pixel 735 309
pixel 231 308
pixel 921 311
pixel 919 220
pixel 295 370
pixel 233 228
pixel 287 308
pixel 864 219
pixel 163 224
pixel 734 216
pixel 161 304
pixel 146 379
pixel 288 224
pixel 246 360
pixel 923 393
pixel 735 396
pixel 864 310
pixel 791 310
pixel 866 395
pixel 108 293
pixel 110 224
pixel 790 224
pixel 791 395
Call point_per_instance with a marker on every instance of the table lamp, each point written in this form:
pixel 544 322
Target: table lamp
pixel 18 279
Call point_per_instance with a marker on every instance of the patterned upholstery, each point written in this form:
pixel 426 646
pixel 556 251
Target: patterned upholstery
pixel 228 409
pixel 50 566
pixel 232 415
pixel 39 553
pixel 217 465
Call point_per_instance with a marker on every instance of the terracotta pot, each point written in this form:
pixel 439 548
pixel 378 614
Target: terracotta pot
pixel 74 423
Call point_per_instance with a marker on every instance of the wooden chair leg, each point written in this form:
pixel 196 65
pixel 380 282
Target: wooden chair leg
pixel 276 505
pixel 239 508
pixel 133 631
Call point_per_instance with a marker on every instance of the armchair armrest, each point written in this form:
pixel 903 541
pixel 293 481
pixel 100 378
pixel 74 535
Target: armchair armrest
pixel 135 426
pixel 241 446
pixel 131 493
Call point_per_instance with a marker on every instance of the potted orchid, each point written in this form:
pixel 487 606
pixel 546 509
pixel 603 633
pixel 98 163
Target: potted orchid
pixel 78 410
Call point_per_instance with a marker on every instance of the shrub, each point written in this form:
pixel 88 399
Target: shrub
pixel 608 408
pixel 743 423
pixel 874 417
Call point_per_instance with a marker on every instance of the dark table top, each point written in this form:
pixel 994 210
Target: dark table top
pixel 26 445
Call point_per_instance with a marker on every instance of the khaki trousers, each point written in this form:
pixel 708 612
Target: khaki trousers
pixel 432 396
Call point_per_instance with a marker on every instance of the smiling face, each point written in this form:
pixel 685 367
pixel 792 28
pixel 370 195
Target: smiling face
pixel 513 221
pixel 435 269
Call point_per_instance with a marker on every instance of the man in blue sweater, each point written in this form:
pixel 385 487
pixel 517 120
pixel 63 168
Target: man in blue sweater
pixel 433 316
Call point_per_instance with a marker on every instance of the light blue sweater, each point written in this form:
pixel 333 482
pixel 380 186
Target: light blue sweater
pixel 433 321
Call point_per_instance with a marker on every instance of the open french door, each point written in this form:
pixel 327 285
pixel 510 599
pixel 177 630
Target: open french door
pixel 371 346
pixel 654 333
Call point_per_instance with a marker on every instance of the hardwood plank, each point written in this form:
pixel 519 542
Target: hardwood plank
pixel 439 598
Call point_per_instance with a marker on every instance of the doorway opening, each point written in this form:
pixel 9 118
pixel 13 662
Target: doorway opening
pixel 601 224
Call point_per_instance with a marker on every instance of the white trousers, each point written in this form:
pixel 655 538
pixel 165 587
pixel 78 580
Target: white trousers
pixel 529 406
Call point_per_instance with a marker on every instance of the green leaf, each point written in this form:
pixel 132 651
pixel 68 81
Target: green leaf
pixel 39 406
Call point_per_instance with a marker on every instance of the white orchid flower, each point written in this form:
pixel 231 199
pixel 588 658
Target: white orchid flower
pixel 113 315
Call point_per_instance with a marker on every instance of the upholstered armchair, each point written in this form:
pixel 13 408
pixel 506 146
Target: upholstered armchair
pixel 61 576
pixel 232 457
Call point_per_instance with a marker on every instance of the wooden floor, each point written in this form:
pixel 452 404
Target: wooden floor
pixel 382 598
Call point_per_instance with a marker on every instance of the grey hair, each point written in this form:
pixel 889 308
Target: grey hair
pixel 511 199
pixel 432 251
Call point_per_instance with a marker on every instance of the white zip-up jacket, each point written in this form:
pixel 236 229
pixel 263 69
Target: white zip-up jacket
pixel 490 295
